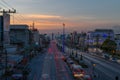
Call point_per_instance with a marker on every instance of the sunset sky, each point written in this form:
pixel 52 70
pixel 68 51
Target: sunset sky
pixel 80 15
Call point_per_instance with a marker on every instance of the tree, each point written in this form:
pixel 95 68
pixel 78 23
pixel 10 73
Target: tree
pixel 109 46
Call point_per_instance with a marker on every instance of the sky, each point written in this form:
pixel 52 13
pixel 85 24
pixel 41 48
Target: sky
pixel 79 15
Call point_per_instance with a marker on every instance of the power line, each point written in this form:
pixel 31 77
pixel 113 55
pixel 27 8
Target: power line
pixel 18 18
pixel 3 5
pixel 7 4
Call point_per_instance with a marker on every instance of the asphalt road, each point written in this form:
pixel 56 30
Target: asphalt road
pixel 49 66
pixel 105 70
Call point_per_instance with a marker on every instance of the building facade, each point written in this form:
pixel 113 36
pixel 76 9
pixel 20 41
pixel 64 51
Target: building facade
pixel 98 36
pixel 4 29
pixel 35 37
pixel 95 39
pixel 19 34
pixel 117 40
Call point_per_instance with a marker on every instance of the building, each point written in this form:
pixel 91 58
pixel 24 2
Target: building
pixel 81 42
pixel 98 36
pixel 89 38
pixel 35 37
pixel 75 37
pixel 95 39
pixel 20 35
pixel 4 29
pixel 117 40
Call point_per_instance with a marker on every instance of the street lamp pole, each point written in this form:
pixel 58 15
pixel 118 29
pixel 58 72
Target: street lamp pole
pixel 63 38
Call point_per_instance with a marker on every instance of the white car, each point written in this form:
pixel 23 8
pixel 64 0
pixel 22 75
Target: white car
pixel 87 77
pixel 17 76
pixel 45 77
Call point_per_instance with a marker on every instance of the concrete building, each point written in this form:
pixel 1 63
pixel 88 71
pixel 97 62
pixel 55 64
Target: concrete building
pixel 75 37
pixel 95 39
pixel 4 29
pixel 98 36
pixel 89 38
pixel 20 34
pixel 117 40
pixel 35 37
pixel 82 37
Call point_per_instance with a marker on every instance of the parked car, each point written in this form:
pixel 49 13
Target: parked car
pixel 70 62
pixel 87 77
pixel 106 56
pixel 113 59
pixel 17 76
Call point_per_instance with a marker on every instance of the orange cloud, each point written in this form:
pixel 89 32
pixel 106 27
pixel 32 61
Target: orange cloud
pixel 55 22
pixel 36 16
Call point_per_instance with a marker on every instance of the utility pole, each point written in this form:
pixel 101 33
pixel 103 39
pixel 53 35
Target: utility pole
pixel 33 25
pixel 97 42
pixel 9 11
pixel 2 38
pixel 63 38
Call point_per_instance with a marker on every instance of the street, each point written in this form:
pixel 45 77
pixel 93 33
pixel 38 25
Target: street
pixel 106 70
pixel 49 66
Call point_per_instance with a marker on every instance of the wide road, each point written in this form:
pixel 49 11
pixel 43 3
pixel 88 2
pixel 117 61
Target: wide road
pixel 106 70
pixel 50 66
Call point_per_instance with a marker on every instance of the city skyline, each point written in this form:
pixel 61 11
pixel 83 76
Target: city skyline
pixel 78 15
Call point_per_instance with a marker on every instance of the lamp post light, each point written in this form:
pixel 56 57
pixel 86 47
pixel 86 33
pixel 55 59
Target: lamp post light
pixel 63 38
pixel 93 64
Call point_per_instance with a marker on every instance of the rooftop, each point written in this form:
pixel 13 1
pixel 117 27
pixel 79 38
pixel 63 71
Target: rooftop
pixel 19 26
pixel 103 30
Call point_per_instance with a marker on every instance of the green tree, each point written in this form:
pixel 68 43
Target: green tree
pixel 109 46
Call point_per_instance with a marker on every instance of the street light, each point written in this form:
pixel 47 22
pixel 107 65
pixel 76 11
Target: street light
pixel 63 38
pixel 93 64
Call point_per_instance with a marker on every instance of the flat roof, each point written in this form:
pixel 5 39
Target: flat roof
pixel 103 30
pixel 19 26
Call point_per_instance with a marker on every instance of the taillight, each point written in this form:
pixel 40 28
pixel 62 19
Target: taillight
pixel 74 72
pixel 82 72
pixel 89 79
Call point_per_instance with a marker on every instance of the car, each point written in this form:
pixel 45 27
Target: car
pixel 77 71
pixel 113 59
pixel 63 58
pixel 70 62
pixel 45 77
pixel 87 77
pixel 17 76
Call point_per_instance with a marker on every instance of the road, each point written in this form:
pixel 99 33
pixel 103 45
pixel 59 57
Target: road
pixel 49 66
pixel 103 69
pixel 106 70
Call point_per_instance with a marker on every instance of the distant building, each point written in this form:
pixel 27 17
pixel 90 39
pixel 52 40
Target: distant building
pixel 98 36
pixel 82 37
pixel 95 39
pixel 75 37
pixel 117 40
pixel 89 38
pixel 20 34
pixel 35 37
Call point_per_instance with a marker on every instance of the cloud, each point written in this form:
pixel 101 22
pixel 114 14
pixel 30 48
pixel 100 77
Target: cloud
pixel 38 18
pixel 41 16
pixel 53 22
